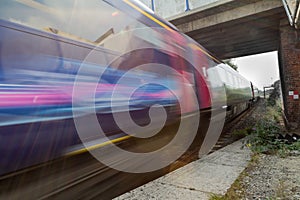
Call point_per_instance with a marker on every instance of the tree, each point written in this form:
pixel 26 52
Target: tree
pixel 276 92
pixel 231 64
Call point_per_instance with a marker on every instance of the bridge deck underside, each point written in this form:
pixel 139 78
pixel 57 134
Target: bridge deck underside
pixel 250 35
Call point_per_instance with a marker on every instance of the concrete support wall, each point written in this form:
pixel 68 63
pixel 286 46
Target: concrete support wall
pixel 289 60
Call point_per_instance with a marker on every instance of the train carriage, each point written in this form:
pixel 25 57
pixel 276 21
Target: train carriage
pixel 46 46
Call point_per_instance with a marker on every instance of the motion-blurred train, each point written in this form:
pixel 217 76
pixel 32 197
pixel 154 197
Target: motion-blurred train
pixel 49 47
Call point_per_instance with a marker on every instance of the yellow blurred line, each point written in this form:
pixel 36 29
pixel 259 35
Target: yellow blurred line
pixel 166 27
pixel 194 46
pixel 148 15
pixel 83 150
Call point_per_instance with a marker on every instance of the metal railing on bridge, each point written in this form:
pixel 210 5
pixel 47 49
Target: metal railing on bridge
pixel 292 8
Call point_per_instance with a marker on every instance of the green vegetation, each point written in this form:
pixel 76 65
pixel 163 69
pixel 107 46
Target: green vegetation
pixel 267 136
pixel 275 94
pixel 242 132
pixel 217 197
pixel 231 64
pixel 264 137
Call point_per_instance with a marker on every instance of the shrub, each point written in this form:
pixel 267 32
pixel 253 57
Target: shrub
pixel 265 137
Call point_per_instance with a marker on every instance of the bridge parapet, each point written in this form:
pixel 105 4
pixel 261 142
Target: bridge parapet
pixel 171 8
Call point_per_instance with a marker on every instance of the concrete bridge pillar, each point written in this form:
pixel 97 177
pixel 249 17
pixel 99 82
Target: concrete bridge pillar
pixel 289 62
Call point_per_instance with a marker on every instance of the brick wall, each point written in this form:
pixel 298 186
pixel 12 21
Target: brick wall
pixel 289 60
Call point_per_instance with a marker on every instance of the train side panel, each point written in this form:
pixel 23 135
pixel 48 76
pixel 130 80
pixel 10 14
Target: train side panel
pixel 42 51
pixel 238 91
pixel 37 71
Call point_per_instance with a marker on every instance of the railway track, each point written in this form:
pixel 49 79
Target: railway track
pixel 83 177
pixel 227 137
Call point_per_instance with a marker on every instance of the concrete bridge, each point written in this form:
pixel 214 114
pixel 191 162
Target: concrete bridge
pixel 227 28
pixel 234 28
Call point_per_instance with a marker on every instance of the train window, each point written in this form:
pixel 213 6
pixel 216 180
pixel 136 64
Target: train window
pixel 213 75
pixel 236 83
pixel 90 21
pixel 222 74
pixel 230 81
pixel 240 82
pixel 245 83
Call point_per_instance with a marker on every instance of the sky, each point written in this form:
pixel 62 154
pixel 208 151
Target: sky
pixel 261 69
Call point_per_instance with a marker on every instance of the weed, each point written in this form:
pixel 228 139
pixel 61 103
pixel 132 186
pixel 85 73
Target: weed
pixel 217 197
pixel 267 135
pixel 242 132
pixel 294 146
pixel 280 191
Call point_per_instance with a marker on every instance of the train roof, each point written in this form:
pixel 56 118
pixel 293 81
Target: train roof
pixel 142 6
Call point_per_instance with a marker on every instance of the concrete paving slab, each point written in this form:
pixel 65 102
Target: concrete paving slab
pixel 214 173
pixel 227 158
pixel 156 190
pixel 205 177
pixel 237 147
